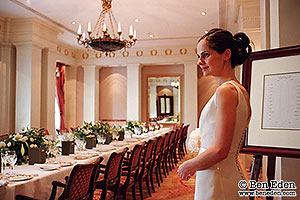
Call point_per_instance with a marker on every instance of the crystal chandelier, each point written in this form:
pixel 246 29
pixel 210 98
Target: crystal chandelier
pixel 100 38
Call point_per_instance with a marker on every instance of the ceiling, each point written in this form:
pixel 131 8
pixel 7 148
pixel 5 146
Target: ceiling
pixel 167 20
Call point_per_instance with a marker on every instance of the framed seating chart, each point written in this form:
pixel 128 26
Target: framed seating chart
pixel 272 79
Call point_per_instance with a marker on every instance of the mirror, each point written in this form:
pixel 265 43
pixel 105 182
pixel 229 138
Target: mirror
pixel 164 99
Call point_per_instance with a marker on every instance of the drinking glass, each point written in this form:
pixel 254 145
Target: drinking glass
pixel 11 159
pixel 54 151
pixel 117 136
pixel 4 161
pixel 114 135
pixel 49 154
pixel 101 139
pixel 128 135
pixel 80 144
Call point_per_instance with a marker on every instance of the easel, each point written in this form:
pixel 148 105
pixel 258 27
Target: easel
pixel 256 167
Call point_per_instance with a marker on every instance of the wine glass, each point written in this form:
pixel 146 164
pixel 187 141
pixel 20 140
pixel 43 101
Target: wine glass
pixel 80 144
pixel 11 159
pixel 4 161
pixel 54 151
pixel 115 135
pixel 49 153
pixel 101 138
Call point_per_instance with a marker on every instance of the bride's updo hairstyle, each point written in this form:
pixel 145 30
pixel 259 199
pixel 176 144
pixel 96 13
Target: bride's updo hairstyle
pixel 220 40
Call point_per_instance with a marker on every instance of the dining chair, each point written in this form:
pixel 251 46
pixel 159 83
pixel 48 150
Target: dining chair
pixel 164 154
pixel 79 185
pixel 181 142
pixel 178 143
pixel 108 177
pixel 183 139
pixel 144 172
pixel 169 155
pixel 130 171
pixel 156 164
pixel 175 155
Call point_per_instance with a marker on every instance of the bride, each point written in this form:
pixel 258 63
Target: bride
pixel 223 119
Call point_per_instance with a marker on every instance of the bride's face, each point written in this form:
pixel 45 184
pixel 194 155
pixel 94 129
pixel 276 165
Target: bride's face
pixel 210 61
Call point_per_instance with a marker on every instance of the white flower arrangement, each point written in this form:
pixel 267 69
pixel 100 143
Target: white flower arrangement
pixel 33 146
pixel 194 142
pixel 2 144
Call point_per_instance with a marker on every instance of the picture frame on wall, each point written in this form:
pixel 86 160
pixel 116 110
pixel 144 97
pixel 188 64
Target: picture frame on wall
pixel 272 79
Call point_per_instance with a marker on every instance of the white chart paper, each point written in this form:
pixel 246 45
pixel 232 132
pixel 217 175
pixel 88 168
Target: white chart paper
pixel 281 105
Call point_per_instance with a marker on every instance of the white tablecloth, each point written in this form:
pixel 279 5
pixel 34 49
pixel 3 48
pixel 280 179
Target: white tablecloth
pixel 40 185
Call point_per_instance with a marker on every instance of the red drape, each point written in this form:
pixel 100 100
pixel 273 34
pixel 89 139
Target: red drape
pixel 60 80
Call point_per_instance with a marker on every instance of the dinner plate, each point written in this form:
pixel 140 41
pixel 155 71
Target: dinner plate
pixel 132 139
pixel 93 154
pixel 49 167
pixel 66 163
pixel 19 177
pixel 119 144
pixel 80 156
pixel 143 136
pixel 105 148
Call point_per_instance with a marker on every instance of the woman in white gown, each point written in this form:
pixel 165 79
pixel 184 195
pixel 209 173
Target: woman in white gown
pixel 223 119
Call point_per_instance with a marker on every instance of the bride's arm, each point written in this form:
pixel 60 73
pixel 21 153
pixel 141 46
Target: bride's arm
pixel 226 100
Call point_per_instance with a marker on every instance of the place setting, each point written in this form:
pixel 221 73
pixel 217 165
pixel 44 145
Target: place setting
pixel 133 139
pixel 119 143
pixel 104 148
pixel 83 155
pixel 9 159
pixel 16 177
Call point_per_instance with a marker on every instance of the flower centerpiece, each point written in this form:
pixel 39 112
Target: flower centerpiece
pixel 119 130
pixel 90 130
pixel 103 129
pixel 134 126
pixel 29 138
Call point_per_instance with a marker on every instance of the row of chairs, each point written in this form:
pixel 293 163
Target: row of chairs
pixel 125 170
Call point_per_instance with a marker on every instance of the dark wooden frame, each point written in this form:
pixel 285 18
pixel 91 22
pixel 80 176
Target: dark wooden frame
pixel 247 70
pixel 258 151
pixel 165 97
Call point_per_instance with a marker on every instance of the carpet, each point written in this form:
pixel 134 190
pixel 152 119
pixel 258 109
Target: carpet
pixel 172 187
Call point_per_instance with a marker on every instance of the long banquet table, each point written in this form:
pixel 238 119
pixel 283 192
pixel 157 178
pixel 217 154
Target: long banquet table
pixel 40 185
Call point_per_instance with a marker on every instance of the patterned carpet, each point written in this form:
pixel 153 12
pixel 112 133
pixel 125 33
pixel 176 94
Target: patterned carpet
pixel 172 187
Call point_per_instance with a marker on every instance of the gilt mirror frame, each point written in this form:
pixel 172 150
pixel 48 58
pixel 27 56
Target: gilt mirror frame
pixel 180 95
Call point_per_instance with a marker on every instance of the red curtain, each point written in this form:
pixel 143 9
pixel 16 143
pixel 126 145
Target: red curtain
pixel 60 80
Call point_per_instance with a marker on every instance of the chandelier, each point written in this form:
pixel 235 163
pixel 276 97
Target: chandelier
pixel 101 39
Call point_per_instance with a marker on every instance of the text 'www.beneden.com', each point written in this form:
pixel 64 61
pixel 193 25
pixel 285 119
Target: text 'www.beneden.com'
pixel 264 189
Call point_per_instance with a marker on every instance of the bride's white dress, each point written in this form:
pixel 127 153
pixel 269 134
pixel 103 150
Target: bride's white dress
pixel 220 182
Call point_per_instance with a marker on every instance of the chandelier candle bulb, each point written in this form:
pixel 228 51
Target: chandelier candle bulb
pixel 83 36
pixel 79 30
pixel 130 31
pixel 89 27
pixel 134 34
pixel 104 27
pixel 119 28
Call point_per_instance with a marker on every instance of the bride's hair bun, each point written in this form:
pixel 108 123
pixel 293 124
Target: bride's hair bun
pixel 220 40
pixel 243 46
